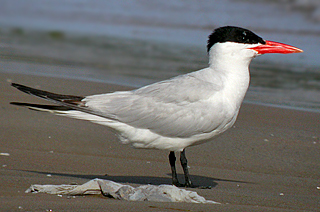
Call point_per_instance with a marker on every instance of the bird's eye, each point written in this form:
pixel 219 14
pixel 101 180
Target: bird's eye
pixel 245 39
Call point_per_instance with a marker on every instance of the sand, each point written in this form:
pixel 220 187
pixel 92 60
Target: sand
pixel 268 162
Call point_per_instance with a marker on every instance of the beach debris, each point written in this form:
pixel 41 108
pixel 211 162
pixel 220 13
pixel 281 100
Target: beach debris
pixel 318 187
pixel 49 175
pixel 266 140
pixel 281 194
pixel 4 154
pixel 161 193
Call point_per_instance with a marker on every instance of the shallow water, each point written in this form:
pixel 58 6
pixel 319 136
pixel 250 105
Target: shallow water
pixel 139 42
pixel 177 21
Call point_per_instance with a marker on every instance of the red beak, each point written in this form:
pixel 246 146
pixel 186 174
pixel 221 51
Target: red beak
pixel 275 47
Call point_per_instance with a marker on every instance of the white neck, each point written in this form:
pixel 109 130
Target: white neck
pixel 230 57
pixel 229 63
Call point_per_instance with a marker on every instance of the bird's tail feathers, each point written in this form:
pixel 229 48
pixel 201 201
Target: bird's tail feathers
pixel 68 105
pixel 64 100
pixel 65 111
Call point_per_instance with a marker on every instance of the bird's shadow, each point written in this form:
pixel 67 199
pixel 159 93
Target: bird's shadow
pixel 197 180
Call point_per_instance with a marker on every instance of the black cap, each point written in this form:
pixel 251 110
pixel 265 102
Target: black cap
pixel 233 34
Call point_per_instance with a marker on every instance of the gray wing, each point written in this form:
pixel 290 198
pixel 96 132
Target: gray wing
pixel 179 107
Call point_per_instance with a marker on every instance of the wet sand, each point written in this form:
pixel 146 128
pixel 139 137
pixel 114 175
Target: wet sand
pixel 268 162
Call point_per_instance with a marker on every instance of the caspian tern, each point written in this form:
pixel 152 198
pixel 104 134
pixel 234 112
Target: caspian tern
pixel 179 112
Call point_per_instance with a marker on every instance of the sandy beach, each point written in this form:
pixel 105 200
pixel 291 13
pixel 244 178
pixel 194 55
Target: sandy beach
pixel 268 162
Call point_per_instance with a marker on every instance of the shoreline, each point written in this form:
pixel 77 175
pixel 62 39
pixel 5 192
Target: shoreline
pixel 282 106
pixel 266 162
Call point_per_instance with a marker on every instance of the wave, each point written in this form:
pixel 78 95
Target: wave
pixel 311 8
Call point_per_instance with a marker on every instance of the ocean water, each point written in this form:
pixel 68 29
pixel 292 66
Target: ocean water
pixel 140 42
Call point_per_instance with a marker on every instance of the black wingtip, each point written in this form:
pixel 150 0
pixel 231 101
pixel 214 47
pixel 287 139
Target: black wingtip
pixel 16 85
pixel 17 103
pixel 41 107
pixel 65 102
pixel 22 88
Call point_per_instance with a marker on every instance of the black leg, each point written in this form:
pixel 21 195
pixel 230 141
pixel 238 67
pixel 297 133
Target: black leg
pixel 184 164
pixel 172 160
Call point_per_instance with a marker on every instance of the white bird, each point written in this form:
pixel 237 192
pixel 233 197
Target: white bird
pixel 179 112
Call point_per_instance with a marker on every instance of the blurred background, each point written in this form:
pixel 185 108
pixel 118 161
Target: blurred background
pixel 138 42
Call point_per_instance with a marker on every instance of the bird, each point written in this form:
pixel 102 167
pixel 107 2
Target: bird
pixel 179 112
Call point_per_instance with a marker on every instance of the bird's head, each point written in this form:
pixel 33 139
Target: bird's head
pixel 242 43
